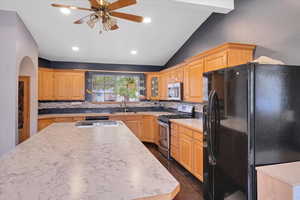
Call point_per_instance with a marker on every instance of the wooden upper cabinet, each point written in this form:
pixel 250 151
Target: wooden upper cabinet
pixel 216 61
pixel 61 84
pixel 163 84
pixel 45 84
pixel 152 86
pixel 226 55
pixel 78 86
pixel 193 81
pixel 69 85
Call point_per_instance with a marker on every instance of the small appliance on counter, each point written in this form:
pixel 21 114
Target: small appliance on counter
pixel 175 91
pixel 183 112
pixel 251 119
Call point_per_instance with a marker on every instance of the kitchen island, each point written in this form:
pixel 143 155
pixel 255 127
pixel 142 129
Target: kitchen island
pixel 64 162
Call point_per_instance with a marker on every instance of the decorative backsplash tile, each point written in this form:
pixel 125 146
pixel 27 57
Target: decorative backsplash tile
pixel 165 104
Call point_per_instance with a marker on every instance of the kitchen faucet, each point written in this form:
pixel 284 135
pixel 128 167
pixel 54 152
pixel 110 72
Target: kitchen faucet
pixel 124 105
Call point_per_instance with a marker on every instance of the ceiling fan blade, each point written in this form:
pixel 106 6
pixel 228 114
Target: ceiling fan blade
pixel 71 7
pixel 95 3
pixel 121 4
pixel 126 16
pixel 114 27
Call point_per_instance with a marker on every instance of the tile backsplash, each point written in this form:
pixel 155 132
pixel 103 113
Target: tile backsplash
pixel 165 104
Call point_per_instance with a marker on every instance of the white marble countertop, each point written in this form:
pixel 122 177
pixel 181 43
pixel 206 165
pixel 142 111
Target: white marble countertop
pixel 64 162
pixel 156 114
pixel 196 124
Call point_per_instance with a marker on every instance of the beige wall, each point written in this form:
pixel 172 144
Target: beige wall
pixel 16 43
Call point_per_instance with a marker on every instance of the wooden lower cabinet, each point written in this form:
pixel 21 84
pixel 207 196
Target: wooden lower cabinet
pixel 147 131
pixel 144 127
pixel 135 127
pixel 198 159
pixel 187 149
pixel 44 123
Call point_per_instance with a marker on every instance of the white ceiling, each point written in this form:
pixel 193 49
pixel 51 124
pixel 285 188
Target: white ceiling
pixel 173 22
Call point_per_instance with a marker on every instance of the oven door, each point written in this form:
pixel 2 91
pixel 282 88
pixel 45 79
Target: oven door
pixel 164 139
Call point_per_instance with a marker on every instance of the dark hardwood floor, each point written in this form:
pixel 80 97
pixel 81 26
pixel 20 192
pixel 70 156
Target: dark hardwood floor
pixel 190 187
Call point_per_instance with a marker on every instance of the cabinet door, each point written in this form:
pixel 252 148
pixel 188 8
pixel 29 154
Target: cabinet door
pixel 147 131
pixel 135 127
pixel 163 86
pixel 62 86
pixel 179 75
pixel 46 84
pixel 186 151
pixel 78 86
pixel 43 123
pixel 194 78
pixel 216 61
pixel 198 159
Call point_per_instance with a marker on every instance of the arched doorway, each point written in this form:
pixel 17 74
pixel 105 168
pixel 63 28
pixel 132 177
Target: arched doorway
pixel 24 87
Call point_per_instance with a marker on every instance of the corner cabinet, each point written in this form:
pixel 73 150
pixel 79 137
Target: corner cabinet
pixel 61 84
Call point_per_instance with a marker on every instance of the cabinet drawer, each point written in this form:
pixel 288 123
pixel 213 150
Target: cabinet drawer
pixel 174 132
pixel 186 131
pixel 198 136
pixel 175 141
pixel 63 119
pixel 175 152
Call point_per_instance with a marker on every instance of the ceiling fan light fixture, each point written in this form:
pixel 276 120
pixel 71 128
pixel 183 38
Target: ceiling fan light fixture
pixel 65 11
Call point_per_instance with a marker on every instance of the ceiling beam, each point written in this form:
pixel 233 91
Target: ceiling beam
pixel 220 6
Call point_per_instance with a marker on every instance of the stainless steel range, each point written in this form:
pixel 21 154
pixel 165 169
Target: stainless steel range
pixel 183 111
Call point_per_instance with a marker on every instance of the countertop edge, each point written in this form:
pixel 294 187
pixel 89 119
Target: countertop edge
pixel 169 196
pixel 186 125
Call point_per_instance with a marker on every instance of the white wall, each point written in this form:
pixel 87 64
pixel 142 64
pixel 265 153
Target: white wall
pixel 27 49
pixel 16 43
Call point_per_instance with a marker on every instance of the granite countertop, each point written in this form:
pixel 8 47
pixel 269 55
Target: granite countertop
pixel 64 162
pixel 196 124
pixel 288 173
pixel 156 114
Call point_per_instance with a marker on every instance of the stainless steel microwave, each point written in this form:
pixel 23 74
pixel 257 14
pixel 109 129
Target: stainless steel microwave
pixel 175 91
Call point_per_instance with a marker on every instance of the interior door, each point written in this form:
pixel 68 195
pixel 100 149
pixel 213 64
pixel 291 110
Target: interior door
pixel 23 108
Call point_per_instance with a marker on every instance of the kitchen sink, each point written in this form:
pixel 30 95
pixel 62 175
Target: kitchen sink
pixel 97 123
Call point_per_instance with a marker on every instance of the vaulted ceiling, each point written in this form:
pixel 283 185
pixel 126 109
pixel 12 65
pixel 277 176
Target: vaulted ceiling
pixel 173 22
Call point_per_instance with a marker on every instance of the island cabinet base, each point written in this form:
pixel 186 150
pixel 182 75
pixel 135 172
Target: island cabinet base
pixel 144 126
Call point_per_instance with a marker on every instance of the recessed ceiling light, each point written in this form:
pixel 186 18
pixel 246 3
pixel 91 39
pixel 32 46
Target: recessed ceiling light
pixel 134 52
pixel 65 11
pixel 147 20
pixel 75 48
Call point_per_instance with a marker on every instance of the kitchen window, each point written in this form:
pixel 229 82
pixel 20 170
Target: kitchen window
pixel 114 87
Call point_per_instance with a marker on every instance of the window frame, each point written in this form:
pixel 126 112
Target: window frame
pixel 89 84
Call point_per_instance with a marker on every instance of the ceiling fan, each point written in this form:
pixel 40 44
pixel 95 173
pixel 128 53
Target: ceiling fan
pixel 104 12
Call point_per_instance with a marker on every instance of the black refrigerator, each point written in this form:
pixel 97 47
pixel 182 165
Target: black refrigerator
pixel 251 118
